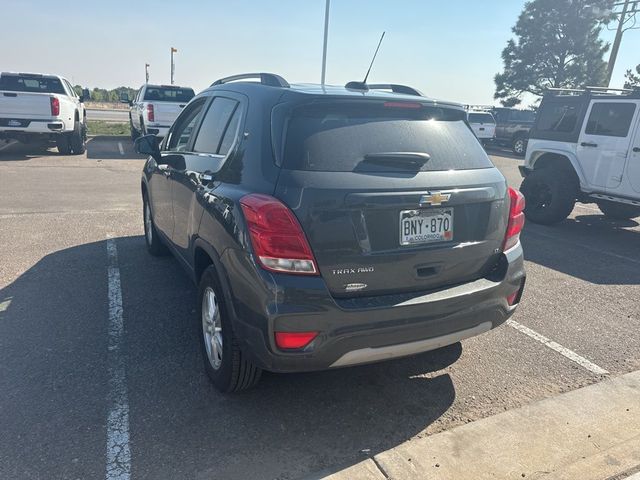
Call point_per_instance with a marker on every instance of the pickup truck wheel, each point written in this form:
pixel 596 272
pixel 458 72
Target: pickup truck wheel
pixel 134 133
pixel 151 237
pixel 226 365
pixel 519 146
pixel 63 142
pixel 77 139
pixel 550 195
pixel 619 211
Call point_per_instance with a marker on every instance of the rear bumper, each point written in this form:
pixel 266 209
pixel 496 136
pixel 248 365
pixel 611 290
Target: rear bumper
pixel 157 129
pixel 26 126
pixel 364 331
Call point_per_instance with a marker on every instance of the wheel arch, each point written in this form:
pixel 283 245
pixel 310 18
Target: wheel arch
pixel 557 159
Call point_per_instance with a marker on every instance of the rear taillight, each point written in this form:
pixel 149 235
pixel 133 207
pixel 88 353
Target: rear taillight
pixel 150 113
pixel 55 106
pixel 294 340
pixel 516 219
pixel 279 243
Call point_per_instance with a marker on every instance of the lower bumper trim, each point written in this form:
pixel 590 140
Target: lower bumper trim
pixel 368 355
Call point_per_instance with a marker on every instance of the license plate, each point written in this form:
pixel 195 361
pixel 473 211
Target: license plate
pixel 426 226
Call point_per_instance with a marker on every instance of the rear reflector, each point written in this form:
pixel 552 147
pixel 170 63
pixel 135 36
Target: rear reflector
pixel 55 106
pixel 402 105
pixel 150 113
pixel 516 219
pixel 278 241
pixel 294 340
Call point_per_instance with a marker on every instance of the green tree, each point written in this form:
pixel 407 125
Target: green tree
pixel 632 79
pixel 557 44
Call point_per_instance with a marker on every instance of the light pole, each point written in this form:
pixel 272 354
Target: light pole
pixel 173 66
pixel 324 47
pixel 146 72
pixel 626 12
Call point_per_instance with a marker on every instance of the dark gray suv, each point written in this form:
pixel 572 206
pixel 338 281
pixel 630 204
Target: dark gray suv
pixel 330 226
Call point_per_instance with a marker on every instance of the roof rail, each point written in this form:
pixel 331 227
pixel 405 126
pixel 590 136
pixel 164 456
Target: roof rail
pixel 395 88
pixel 479 108
pixel 270 79
pixel 595 91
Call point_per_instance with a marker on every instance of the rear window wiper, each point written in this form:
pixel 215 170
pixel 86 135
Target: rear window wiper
pixel 398 159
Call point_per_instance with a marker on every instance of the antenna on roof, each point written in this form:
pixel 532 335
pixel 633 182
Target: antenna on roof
pixel 373 59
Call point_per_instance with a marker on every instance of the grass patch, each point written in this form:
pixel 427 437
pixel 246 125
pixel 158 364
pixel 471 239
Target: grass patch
pixel 100 127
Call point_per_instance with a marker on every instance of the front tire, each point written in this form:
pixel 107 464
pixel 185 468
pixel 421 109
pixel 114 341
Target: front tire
pixel 619 211
pixel 226 365
pixel 151 236
pixel 550 195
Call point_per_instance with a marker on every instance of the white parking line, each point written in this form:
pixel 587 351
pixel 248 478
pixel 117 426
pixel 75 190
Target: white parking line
pixel 570 354
pixel 121 148
pixel 586 247
pixel 118 451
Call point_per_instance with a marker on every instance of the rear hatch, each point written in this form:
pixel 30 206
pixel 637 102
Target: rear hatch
pixel 483 124
pixel 392 196
pixel 26 96
pixel 168 101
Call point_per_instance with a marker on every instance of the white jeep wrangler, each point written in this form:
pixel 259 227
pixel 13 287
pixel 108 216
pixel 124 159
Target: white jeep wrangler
pixel 584 146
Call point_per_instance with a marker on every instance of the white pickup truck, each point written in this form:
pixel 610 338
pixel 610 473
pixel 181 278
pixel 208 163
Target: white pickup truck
pixel 40 109
pixel 155 108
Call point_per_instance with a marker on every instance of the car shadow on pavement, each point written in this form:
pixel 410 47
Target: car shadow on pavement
pixel 20 152
pixel 589 247
pixel 53 353
pixel 111 147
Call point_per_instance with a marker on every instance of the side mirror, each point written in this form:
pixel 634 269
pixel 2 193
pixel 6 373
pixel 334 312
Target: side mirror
pixel 147 145
pixel 86 95
pixel 124 98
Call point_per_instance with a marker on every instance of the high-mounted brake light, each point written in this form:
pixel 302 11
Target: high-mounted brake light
pixel 150 113
pixel 279 243
pixel 294 340
pixel 516 219
pixel 402 105
pixel 55 106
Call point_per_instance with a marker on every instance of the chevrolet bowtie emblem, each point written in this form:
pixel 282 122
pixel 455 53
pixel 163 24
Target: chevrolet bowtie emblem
pixel 435 198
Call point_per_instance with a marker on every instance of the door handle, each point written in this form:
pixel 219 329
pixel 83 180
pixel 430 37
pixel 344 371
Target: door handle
pixel 588 144
pixel 165 170
pixel 636 149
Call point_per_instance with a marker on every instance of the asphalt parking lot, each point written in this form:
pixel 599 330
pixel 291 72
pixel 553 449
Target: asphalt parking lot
pixel 56 216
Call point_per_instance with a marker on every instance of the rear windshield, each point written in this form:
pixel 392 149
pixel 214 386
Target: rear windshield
pixel 168 94
pixel 481 118
pixel 26 83
pixel 344 137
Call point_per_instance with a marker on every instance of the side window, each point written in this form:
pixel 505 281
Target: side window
pixel 610 119
pixel 183 128
pixel 231 133
pixel 214 125
pixel 558 118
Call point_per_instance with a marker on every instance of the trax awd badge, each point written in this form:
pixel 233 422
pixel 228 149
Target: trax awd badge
pixel 356 286
pixel 434 198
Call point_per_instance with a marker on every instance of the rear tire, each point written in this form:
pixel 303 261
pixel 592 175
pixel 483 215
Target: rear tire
pixel 550 195
pixel 619 211
pixel 519 146
pixel 134 133
pixel 151 236
pixel 77 140
pixel 226 365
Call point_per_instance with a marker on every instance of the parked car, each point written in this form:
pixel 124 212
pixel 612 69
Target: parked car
pixel 483 125
pixel 330 226
pixel 40 109
pixel 585 146
pixel 512 128
pixel 155 108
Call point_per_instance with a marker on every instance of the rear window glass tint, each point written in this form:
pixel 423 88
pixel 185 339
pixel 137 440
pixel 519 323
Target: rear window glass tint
pixel 338 137
pixel 610 119
pixel 19 83
pixel 168 94
pixel 481 118
pixel 558 117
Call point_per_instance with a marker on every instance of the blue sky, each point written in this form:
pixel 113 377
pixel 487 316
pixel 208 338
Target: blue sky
pixel 449 50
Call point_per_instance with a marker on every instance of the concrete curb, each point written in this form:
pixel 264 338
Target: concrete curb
pixel 589 433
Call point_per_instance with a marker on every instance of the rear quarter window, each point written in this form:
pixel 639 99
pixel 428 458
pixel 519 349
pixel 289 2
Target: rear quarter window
pixel 337 137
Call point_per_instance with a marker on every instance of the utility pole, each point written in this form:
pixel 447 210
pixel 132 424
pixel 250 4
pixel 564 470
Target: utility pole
pixel 173 65
pixel 146 73
pixel 626 12
pixel 324 47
